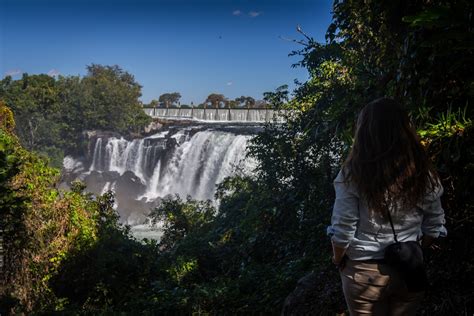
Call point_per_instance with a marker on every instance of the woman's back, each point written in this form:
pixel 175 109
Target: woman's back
pixel 386 180
pixel 373 232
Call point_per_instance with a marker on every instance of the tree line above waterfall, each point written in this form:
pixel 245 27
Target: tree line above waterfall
pixel 67 253
pixel 217 100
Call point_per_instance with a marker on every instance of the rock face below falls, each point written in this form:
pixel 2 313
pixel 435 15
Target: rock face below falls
pixel 188 161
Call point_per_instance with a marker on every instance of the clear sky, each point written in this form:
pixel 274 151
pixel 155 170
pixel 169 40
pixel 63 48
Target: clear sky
pixel 191 46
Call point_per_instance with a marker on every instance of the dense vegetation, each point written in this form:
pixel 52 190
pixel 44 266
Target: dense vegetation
pixel 53 113
pixel 269 230
pixel 41 227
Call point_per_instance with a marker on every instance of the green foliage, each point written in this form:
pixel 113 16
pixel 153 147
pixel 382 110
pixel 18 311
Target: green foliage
pixel 169 99
pixel 7 123
pixel 447 125
pixel 52 114
pixel 110 100
pixel 153 104
pixel 277 98
pixel 34 101
pixel 41 227
pixel 107 276
pixel 181 218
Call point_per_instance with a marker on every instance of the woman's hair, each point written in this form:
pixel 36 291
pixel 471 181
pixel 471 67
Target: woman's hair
pixel 387 163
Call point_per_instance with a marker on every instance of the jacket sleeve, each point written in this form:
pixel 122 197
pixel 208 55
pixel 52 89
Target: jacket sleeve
pixel 433 214
pixel 345 213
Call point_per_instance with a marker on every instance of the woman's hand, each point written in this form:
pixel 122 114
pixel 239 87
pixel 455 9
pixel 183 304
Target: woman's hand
pixel 339 263
pixel 427 241
pixel 339 256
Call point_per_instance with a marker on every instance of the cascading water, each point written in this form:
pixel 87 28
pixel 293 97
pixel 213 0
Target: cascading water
pixel 185 161
pixel 197 165
pixel 120 156
pixel 194 168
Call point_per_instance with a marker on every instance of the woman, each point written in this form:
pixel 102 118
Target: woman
pixel 386 173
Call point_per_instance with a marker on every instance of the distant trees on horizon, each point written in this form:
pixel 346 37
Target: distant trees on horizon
pixel 213 100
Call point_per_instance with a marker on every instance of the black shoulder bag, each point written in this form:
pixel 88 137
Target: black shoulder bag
pixel 407 259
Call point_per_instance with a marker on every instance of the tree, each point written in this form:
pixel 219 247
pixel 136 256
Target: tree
pixel 111 100
pixel 278 98
pixel 35 102
pixel 153 104
pixel 53 113
pixel 245 101
pixel 215 100
pixel 71 99
pixel 232 104
pixel 169 99
pixel 261 104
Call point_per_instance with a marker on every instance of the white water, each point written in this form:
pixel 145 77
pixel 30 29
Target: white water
pixel 97 154
pixel 147 230
pixel 198 165
pixel 194 167
pixel 72 165
pixel 121 156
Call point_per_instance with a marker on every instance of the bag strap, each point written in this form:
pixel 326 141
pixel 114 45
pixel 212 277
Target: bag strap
pixel 391 224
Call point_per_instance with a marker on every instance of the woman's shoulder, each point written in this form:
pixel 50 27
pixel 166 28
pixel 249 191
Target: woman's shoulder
pixel 342 176
pixel 342 182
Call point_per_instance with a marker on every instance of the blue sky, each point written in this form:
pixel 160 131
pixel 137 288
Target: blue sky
pixel 194 47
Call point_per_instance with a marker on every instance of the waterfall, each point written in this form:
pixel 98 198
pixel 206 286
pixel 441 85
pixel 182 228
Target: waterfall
pixel 183 160
pixel 151 188
pixel 233 159
pixel 197 162
pixel 97 154
pixel 121 156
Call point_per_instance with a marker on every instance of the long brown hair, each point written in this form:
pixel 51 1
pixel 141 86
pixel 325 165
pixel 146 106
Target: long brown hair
pixel 387 163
